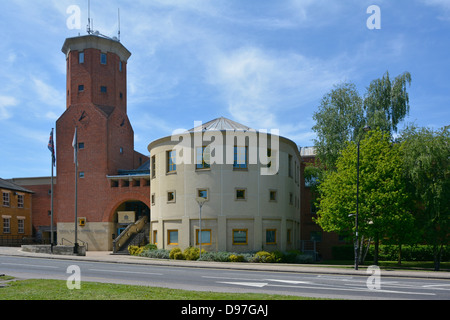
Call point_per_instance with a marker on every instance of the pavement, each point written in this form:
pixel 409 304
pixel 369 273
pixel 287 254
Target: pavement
pixel 108 257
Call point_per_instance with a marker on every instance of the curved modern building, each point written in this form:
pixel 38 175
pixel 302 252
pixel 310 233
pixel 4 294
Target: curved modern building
pixel 243 186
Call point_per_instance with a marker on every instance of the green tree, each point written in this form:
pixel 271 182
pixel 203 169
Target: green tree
pixel 427 158
pixel 387 102
pixel 383 198
pixel 338 120
pixel 342 114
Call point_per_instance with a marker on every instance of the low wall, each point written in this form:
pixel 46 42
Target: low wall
pixel 59 250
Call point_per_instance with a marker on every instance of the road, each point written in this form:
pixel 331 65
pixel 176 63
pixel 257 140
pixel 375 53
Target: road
pixel 209 279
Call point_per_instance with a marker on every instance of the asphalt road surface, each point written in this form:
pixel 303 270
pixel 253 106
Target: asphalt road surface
pixel 368 287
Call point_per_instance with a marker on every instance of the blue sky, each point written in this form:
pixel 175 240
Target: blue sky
pixel 263 63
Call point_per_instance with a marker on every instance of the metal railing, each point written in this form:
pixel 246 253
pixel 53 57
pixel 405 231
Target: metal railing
pixel 129 232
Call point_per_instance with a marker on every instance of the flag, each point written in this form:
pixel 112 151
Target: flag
pixel 51 147
pixel 75 147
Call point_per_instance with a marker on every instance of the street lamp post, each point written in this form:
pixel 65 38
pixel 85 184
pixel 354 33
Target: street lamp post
pixel 366 129
pixel 200 201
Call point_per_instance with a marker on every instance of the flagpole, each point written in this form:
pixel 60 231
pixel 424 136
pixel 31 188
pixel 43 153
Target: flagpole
pixel 53 164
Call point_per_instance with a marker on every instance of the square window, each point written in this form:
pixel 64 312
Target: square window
pixel 81 146
pixel 103 58
pixel 81 175
pixel 241 194
pixel 103 89
pixel 240 236
pixel 81 88
pixel 202 193
pixel 171 196
pixel 204 237
pixel 271 236
pixel 172 237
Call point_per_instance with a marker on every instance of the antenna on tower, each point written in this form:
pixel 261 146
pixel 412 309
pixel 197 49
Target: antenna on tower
pixel 118 34
pixel 89 30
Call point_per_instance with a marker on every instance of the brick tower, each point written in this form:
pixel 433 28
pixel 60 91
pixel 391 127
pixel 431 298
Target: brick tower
pixel 97 107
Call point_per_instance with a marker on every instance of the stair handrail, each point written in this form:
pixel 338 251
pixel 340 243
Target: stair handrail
pixel 129 231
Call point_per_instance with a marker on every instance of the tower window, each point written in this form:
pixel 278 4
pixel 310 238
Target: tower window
pixel 81 57
pixel 103 58
pixel 120 66
pixel 103 89
pixel 81 88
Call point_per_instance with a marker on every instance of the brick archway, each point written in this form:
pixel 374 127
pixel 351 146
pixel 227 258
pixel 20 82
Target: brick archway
pixel 108 215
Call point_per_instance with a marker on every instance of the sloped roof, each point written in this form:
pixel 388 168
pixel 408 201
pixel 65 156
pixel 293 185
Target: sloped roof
pixel 220 124
pixel 12 186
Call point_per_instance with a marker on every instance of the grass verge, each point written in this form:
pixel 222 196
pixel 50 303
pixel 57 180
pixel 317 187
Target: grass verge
pixel 57 290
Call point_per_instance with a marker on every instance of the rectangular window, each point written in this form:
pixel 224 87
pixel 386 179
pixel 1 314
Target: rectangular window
pixel 290 166
pixel 81 146
pixel 203 157
pixel 81 57
pixel 171 196
pixel 240 236
pixel 153 199
pixel 204 237
pixel 81 174
pixel 241 194
pixel 103 89
pixel 103 58
pixel 81 88
pixel 153 167
pixel 172 237
pixel 288 236
pixel 21 226
pixel 271 236
pixel 155 236
pixel 20 201
pixel 120 66
pixel 272 195
pixel 171 161
pixel 291 198
pixel 6 200
pixel 240 158
pixel 6 225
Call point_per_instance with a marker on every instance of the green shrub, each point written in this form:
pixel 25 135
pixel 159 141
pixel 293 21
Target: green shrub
pixel 215 256
pixel 135 250
pixel 263 257
pixel 173 252
pixel 150 246
pixel 237 258
pixel 192 253
pixel 156 254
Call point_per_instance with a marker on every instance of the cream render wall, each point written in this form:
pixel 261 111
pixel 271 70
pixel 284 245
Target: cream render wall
pixel 222 213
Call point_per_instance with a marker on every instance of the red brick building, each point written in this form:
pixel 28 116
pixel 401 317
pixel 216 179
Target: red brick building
pixel 112 177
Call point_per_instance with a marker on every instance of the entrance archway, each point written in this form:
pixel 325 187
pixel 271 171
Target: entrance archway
pixel 128 212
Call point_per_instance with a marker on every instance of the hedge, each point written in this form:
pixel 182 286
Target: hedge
pixel 390 253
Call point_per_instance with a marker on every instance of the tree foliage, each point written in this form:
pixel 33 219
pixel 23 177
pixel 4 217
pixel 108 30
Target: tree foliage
pixel 343 113
pixel 426 160
pixel 384 203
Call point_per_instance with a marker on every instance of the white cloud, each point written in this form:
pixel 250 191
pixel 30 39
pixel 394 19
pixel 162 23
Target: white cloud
pixel 5 104
pixel 265 89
